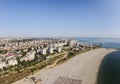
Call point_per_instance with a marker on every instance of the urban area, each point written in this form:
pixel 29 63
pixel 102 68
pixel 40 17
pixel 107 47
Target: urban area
pixel 20 55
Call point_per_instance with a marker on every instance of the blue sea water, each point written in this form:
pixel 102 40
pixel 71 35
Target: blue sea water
pixel 109 72
pixel 106 42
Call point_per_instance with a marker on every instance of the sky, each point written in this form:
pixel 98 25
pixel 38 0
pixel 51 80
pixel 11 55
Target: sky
pixel 60 18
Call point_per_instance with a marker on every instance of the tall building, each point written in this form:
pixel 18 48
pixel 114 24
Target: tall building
pixel 43 51
pixel 58 49
pixel 50 50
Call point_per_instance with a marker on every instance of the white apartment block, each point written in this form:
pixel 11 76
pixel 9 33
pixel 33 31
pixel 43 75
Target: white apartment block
pixel 3 64
pixel 31 55
pixel 43 51
pixel 50 50
pixel 72 42
pixel 60 44
pixel 12 62
pixel 58 49
pixel 55 45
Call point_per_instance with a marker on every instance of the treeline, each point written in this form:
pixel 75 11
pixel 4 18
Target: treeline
pixel 23 40
pixel 72 54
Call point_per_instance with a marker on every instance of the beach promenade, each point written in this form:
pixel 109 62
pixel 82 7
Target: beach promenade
pixel 83 67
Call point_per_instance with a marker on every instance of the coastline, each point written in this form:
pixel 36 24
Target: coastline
pixel 83 66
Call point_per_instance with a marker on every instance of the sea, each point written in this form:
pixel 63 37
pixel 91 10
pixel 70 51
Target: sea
pixel 106 42
pixel 109 72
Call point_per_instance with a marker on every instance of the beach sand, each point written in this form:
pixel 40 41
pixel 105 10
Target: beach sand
pixel 84 66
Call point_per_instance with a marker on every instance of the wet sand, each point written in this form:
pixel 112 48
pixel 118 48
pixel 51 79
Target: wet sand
pixel 84 66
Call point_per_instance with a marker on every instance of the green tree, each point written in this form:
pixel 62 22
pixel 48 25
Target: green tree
pixel 4 51
pixel 18 60
pixel 5 68
pixel 36 58
pixel 17 69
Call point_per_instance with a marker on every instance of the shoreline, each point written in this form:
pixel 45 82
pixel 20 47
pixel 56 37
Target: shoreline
pixel 49 75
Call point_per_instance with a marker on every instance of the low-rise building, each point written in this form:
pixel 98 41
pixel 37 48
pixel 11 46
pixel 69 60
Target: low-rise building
pixel 2 64
pixel 43 51
pixel 31 55
pixel 24 59
pixel 50 50
pixel 12 62
pixel 58 49
pixel 72 42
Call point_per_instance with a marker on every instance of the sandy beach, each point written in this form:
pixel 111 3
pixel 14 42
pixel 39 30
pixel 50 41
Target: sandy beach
pixel 82 67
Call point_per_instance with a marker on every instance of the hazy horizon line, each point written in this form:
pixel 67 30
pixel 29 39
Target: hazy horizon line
pixel 53 37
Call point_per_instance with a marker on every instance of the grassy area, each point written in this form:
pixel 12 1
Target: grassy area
pixel 72 54
pixel 12 77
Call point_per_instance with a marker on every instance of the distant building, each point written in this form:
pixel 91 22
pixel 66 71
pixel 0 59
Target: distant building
pixel 72 42
pixel 25 50
pixel 60 45
pixel 30 56
pixel 65 42
pixel 55 45
pixel 12 62
pixel 58 49
pixel 32 48
pixel 3 64
pixel 43 51
pixel 38 50
pixel 50 50
pixel 24 59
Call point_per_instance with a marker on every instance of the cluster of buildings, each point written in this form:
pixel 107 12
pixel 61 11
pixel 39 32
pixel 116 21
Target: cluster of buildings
pixel 26 50
pixel 51 48
pixel 28 57
pixel 7 63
